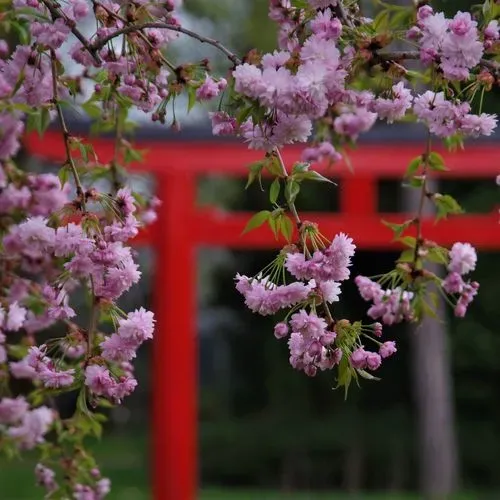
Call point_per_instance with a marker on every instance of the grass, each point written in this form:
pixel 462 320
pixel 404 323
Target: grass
pixel 124 460
pixel 224 494
pixel 213 494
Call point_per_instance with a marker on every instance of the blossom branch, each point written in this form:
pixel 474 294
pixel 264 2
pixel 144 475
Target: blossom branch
pixel 400 55
pixel 141 35
pixel 56 13
pixel 66 136
pixel 99 44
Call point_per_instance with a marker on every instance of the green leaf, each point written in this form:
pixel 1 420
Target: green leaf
pixel 88 424
pixel 63 175
pixel 312 175
pixel 132 154
pixel 409 241
pixel 292 189
pixel 191 92
pixel 453 142
pixel 398 229
pixel 413 166
pixel 81 402
pixel 273 224
pixel 286 227
pixel 33 121
pixel 381 21
pixel 439 255
pixel 255 172
pixel 436 162
pixel 368 376
pixel 300 171
pixel 17 351
pixel 23 107
pixel 83 152
pixel 244 114
pixel 446 205
pixel 98 173
pixel 407 255
pixel 100 76
pixel 92 109
pixel 344 375
pixel 257 220
pixel 300 167
pixel 22 32
pixel 273 166
pixel 416 182
pixel 274 191
pixel 300 4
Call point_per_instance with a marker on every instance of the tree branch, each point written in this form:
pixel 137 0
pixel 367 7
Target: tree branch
pixel 69 158
pixel 58 14
pixel 99 44
pixel 493 66
pixel 399 55
pixel 423 196
pixel 342 15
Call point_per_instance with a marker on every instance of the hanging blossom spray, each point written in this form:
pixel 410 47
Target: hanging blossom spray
pixel 320 87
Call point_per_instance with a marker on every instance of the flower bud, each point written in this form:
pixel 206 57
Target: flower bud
pixel 315 348
pixel 373 360
pixel 281 330
pixel 310 370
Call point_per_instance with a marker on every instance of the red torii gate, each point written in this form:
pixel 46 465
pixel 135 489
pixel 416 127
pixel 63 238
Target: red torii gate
pixel 182 227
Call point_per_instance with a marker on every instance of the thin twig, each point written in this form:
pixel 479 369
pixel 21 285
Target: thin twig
pixel 99 44
pixel 328 314
pixel 291 204
pixel 415 55
pixel 58 14
pixel 342 15
pixel 398 55
pixel 118 145
pixel 143 37
pixel 421 203
pixel 93 320
pixel 66 136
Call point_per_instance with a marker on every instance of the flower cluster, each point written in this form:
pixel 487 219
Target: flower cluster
pixel 318 278
pixel 391 306
pixel 315 339
pixel 445 118
pixel 453 42
pixel 462 261
pixel 24 426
